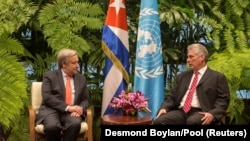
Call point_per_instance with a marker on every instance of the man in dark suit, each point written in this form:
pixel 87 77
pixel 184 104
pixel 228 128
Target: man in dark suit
pixel 56 115
pixel 209 101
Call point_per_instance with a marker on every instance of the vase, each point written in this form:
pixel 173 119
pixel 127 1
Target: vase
pixel 130 113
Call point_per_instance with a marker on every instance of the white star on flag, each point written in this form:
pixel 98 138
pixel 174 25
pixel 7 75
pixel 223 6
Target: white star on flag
pixel 117 4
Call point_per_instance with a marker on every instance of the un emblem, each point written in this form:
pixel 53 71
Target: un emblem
pixel 149 50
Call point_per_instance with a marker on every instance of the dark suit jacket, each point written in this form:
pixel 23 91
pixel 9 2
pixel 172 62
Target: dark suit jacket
pixel 212 92
pixel 53 93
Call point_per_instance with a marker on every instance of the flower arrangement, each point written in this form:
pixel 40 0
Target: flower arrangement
pixel 130 103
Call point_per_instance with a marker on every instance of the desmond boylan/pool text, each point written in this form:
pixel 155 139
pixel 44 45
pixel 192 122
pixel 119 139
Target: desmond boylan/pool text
pixel 154 132
pixel 172 133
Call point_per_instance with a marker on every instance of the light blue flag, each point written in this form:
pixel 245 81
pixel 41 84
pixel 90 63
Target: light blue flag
pixel 149 63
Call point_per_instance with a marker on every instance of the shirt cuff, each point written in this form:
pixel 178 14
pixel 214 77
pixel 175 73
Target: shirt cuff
pixel 67 108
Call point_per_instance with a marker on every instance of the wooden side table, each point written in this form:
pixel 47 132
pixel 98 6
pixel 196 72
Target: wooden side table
pixel 113 119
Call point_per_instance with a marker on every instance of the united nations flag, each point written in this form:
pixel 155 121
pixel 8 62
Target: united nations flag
pixel 149 66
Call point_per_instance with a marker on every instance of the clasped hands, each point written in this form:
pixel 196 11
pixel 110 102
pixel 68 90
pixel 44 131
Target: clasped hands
pixel 75 110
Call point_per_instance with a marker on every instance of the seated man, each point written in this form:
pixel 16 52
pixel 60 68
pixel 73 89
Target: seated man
pixel 200 96
pixel 65 98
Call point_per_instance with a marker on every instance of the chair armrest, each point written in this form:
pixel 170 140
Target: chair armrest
pixel 32 123
pixel 89 120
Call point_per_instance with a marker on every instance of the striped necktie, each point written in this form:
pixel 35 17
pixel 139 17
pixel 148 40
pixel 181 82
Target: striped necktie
pixel 187 104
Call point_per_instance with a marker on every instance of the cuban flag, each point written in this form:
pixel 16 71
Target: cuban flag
pixel 149 78
pixel 116 48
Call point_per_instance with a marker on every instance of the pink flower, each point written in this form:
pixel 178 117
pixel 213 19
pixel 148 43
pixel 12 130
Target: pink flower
pixel 130 102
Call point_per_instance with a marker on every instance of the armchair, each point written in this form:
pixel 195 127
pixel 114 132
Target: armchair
pixel 36 131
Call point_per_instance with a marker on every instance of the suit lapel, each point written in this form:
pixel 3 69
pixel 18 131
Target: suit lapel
pixel 76 85
pixel 188 79
pixel 205 76
pixel 61 82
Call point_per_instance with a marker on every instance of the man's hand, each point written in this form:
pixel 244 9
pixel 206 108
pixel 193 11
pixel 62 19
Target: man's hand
pixel 162 111
pixel 75 110
pixel 207 118
pixel 75 114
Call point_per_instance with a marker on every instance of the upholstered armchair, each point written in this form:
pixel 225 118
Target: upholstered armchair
pixel 37 131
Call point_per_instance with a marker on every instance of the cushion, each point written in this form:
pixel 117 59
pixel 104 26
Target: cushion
pixel 40 128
